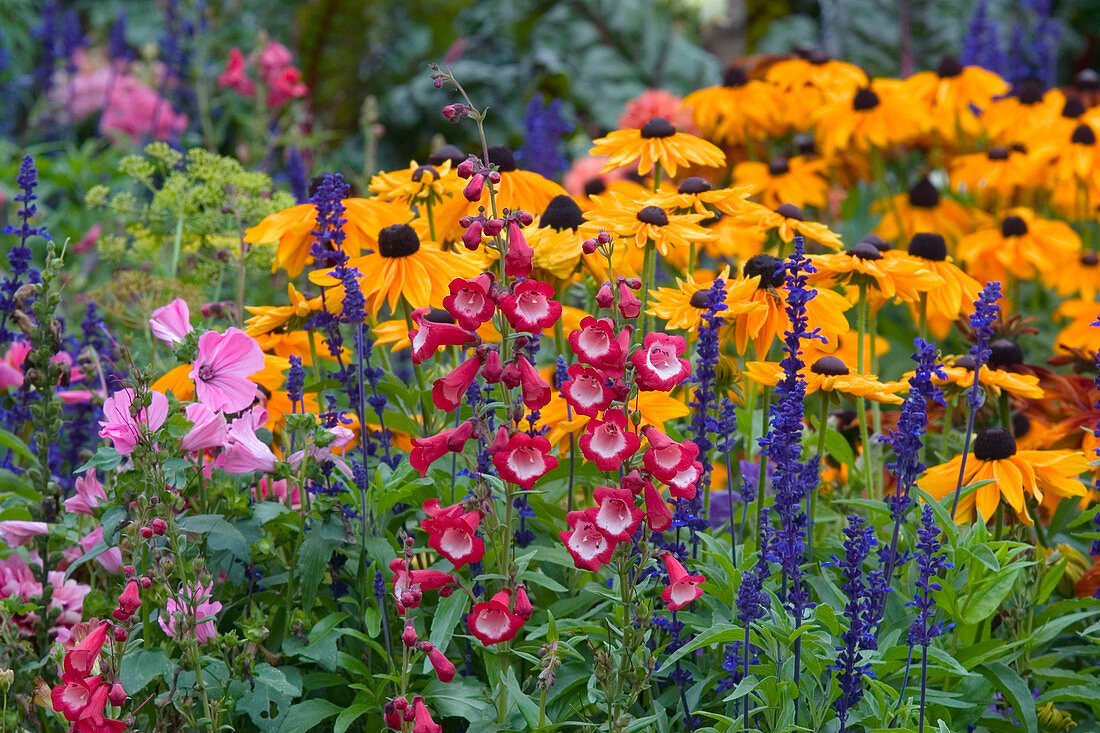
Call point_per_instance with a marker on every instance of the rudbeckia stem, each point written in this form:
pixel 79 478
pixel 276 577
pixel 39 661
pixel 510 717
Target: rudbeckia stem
pixel 924 316
pixel 966 441
pixel 1004 410
pixel 861 402
pixel 647 273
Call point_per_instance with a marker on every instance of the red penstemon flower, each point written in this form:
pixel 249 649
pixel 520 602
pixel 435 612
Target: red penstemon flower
pixel 530 307
pixel 597 344
pixel 587 391
pixel 427 451
pixel 491 621
pixel 609 442
pixel 658 514
pixel 428 335
pixel 470 302
pixel 615 514
pixel 523 459
pixel 408 585
pixel 657 364
pixel 683 484
pixel 451 532
pixel 683 588
pixel 591 548
pixel 665 458
pixel 449 391
pixel 536 390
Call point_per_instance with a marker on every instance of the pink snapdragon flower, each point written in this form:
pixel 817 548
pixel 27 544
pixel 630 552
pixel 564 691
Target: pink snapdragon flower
pixel 89 492
pixel 223 367
pixel 171 323
pixel 122 428
pixel 195 605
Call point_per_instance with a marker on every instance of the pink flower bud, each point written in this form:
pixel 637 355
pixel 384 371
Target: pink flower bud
pixel 408 636
pixel 146 582
pixel 525 218
pixel 511 376
pixel 146 532
pixel 604 298
pixel 494 177
pixel 117 695
pixel 629 305
pixel 493 227
pixel 620 389
pixel 159 526
pixel 129 571
pixel 492 369
pixel 121 634
pixel 465 169
pixel 604 238
pixel 634 283
pixel 471 238
pixel 633 481
pixel 523 607
pixel 473 189
pixel 589 246
pixel 400 703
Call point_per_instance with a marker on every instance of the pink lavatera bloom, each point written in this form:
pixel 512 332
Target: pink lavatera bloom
pixel 208 428
pixel 587 391
pixel 536 390
pixel 121 428
pixel 470 302
pixel 244 451
pixel 16 532
pixel 194 605
pixel 665 458
pixel 658 515
pixel 657 364
pixel 683 588
pixel 609 442
pixel 110 559
pixel 427 451
pixel 531 307
pixel 523 459
pixel 89 493
pixel 223 367
pixel 448 392
pixel 451 533
pixel 591 548
pixel 615 514
pixel 491 621
pixel 171 323
pixel 430 335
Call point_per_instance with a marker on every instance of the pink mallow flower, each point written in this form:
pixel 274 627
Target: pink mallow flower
pixel 171 323
pixel 208 428
pixel 123 430
pixel 89 492
pixel 223 367
pixel 194 607
pixel 244 451
pixel 110 559
pixel 18 532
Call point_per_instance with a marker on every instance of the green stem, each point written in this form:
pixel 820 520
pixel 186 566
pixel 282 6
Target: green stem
pixel 923 316
pixel 648 264
pixel 861 402
pixel 177 244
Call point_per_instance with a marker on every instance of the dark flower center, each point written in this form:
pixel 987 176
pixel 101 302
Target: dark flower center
pixel 1073 108
pixel 817 57
pixel 700 299
pixel 790 211
pixel 735 76
pixel 924 194
pixel 1020 425
pixel 398 240
pixel 502 158
pixel 877 242
pixel 1029 91
pixel 1089 259
pixel 1087 80
pixel 658 127
pixel 694 184
pixel 1083 135
pixel 438 315
pixel 865 251
pixel 928 246
pixel 767 268
pixel 562 213
pixel 998 152
pixel 445 153
pixel 994 444
pixel 865 99
pixel 206 373
pixel 966 362
pixel 424 170
pixel 829 366
pixel 949 67
pixel 1003 352
pixel 1013 226
pixel 805 144
pixel 594 186
pixel 1019 147
pixel 654 215
pixel 778 167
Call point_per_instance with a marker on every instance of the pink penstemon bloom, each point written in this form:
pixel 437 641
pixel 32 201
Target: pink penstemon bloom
pixel 223 367
pixel 171 323
pixel 122 428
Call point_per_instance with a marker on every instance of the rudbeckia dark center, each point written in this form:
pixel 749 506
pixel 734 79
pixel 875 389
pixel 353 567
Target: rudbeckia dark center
pixel 1003 352
pixel 865 99
pixel 767 268
pixel 817 57
pixel 1013 226
pixel 778 167
pixel 735 76
pixel 1083 135
pixel 562 213
pixel 1020 425
pixel 994 444
pixel 865 251
pixel 877 242
pixel 1029 91
pixel 445 153
pixel 924 195
pixel 700 299
pixel 398 240
pixel 829 366
pixel 790 211
pixel 805 144
pixel 594 186
pixel 1089 259
pixel 949 67
pixel 965 362
pixel 658 127
pixel 424 170
pixel 999 152
pixel 1073 108
pixel 928 246
pixel 438 315
pixel 654 215
pixel 694 184
pixel 501 156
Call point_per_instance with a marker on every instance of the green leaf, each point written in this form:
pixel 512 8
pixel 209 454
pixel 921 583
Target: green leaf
pixel 837 446
pixel 351 714
pixel 142 666
pixel 313 556
pixel 984 601
pixel 1087 694
pixel 462 698
pixel 527 707
pixel 105 458
pixel 719 634
pixel 1005 679
pixel 446 618
pixel 12 442
pixel 307 714
pixel 1050 580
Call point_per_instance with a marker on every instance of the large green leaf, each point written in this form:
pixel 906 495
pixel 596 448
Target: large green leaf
pixel 1015 690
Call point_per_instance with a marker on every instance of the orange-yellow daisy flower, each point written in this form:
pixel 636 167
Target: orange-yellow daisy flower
pixel 740 110
pixel 830 374
pixel 268 318
pixel 789 221
pixel 637 222
pixel 877 116
pixel 953 94
pixel 1024 246
pixel 799 181
pixel 924 209
pixel 657 143
pixel 892 277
